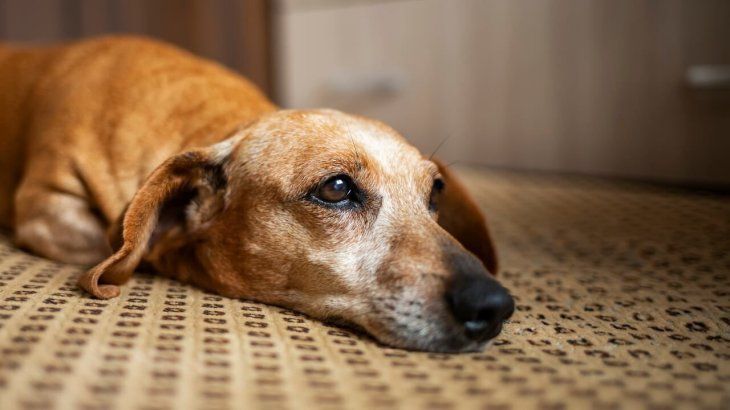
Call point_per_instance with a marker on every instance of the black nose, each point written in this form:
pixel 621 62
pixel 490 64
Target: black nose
pixel 480 304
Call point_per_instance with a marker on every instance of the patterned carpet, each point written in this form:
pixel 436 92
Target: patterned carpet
pixel 623 297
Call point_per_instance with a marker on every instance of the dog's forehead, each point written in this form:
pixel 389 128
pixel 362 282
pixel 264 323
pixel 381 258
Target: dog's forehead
pixel 319 134
pixel 380 143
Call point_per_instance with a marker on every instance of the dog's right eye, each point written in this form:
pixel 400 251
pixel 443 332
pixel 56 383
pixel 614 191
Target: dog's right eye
pixel 335 190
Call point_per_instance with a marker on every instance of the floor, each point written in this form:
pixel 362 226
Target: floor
pixel 623 297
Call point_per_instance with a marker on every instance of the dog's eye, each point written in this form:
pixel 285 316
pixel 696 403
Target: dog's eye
pixel 335 190
pixel 438 186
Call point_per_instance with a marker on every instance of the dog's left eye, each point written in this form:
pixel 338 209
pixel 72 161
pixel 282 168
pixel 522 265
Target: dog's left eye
pixel 438 186
pixel 335 190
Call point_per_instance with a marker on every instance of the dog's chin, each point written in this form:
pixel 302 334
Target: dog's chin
pixel 436 343
pixel 427 339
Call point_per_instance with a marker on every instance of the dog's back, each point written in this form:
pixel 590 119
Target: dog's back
pixel 102 113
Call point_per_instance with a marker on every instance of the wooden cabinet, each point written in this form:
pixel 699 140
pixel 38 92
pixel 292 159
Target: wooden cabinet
pixel 593 87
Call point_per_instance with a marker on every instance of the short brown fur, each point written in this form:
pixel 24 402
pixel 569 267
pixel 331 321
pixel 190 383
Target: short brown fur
pixel 187 167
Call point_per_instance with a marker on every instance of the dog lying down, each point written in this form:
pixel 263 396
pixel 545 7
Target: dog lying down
pixel 188 169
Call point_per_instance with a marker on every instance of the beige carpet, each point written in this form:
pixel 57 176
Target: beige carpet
pixel 623 301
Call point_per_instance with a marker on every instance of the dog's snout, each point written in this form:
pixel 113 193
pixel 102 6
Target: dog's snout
pixel 480 304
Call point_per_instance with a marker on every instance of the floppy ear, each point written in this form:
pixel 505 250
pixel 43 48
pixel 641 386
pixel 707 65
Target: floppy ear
pixel 174 205
pixel 460 216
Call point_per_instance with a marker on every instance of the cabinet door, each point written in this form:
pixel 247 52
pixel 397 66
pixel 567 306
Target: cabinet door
pixel 594 87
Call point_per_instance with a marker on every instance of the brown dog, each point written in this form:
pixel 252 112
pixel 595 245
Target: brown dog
pixel 191 170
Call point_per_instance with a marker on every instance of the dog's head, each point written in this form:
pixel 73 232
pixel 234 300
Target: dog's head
pixel 333 215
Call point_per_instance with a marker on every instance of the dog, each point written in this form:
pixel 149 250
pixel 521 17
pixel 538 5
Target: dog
pixel 122 151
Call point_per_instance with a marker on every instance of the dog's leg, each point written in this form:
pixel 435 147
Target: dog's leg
pixel 59 226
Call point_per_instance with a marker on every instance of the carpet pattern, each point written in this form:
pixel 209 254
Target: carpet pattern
pixel 623 301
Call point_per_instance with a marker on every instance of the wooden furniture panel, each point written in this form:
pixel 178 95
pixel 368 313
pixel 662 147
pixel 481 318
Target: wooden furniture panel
pixel 233 32
pixel 568 85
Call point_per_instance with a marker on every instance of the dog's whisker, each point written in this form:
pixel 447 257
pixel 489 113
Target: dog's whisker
pixel 438 147
pixel 354 147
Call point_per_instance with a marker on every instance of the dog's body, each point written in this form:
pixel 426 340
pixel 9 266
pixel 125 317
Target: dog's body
pixel 191 169
pixel 89 122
